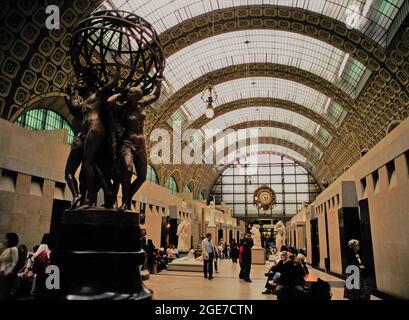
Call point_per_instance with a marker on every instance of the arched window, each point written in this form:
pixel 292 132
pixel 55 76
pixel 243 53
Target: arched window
pixel 172 185
pixel 187 189
pixel 151 175
pixel 201 196
pixel 44 119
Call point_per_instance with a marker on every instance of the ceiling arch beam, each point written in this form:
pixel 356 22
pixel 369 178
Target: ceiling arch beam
pixel 308 23
pixel 270 124
pixel 253 153
pixel 270 141
pixel 267 102
pixel 251 70
pixel 53 101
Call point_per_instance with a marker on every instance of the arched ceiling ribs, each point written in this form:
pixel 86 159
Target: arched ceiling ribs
pixel 168 107
pixel 53 100
pixel 269 141
pixel 253 153
pixel 267 102
pixel 264 46
pixel 309 23
pixel 261 125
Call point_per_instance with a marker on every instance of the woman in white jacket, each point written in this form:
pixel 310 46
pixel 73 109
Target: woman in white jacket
pixel 8 263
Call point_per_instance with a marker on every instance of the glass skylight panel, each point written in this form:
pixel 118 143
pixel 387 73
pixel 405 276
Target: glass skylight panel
pixel 262 113
pixel 264 46
pixel 245 115
pixel 258 133
pixel 268 148
pixel 375 16
pixel 317 153
pixel 262 87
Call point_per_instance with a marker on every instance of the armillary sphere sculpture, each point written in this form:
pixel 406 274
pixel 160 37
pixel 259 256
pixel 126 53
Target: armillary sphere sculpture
pixel 264 197
pixel 118 62
pixel 106 34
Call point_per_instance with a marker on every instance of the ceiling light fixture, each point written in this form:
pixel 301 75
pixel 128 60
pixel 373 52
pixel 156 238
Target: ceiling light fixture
pixel 209 96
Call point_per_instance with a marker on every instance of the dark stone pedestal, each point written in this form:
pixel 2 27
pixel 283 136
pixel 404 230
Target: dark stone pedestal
pixel 99 254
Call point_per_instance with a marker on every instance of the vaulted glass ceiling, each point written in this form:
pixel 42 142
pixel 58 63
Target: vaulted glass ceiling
pixel 263 87
pixel 256 134
pixel 241 153
pixel 232 118
pixel 372 17
pixel 264 46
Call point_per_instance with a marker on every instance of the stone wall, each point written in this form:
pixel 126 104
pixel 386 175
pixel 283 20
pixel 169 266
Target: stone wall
pixel 31 177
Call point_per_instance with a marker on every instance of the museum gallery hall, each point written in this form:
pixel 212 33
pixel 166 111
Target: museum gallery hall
pixel 204 150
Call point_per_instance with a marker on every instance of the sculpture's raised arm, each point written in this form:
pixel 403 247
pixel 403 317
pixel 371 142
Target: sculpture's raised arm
pixel 155 95
pixel 72 104
pixel 107 89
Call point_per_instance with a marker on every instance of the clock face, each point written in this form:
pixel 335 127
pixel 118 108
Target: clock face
pixel 264 197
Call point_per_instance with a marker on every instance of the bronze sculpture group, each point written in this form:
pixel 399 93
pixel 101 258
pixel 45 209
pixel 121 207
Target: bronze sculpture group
pixel 119 63
pixel 109 141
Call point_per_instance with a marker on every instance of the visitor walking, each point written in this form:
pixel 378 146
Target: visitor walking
pixel 245 258
pixel 208 252
pixel 234 251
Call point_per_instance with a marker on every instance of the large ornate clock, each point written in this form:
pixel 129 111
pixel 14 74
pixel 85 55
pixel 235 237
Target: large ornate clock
pixel 264 198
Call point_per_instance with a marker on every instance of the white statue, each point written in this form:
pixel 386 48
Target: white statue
pixel 281 233
pixel 190 258
pixel 256 236
pixel 182 233
pixel 212 213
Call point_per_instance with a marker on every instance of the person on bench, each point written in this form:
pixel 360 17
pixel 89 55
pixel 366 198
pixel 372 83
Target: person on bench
pixel 291 281
pixel 274 273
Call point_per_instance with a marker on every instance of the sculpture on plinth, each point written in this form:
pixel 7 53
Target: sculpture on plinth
pixel 280 234
pixel 183 236
pixel 212 213
pixel 256 236
pixel 118 63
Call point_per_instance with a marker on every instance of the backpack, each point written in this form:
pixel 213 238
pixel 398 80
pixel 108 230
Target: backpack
pixel 40 263
pixel 321 290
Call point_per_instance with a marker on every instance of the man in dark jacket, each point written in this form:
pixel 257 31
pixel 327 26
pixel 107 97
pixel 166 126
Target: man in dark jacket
pixel 245 258
pixel 291 282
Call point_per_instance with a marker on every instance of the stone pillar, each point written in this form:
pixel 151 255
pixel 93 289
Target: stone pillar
pixel 213 231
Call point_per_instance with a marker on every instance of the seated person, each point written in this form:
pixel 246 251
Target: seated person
pixel 274 274
pixel 175 252
pixel 302 264
pixel 290 283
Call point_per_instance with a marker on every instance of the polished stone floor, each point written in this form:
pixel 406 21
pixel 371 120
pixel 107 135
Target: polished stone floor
pixel 179 285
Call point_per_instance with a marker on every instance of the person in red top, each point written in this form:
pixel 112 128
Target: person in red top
pixel 245 258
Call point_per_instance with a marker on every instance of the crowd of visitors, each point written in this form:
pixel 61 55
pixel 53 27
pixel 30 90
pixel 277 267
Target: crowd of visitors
pixel 23 272
pixel 158 259
pixel 286 278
